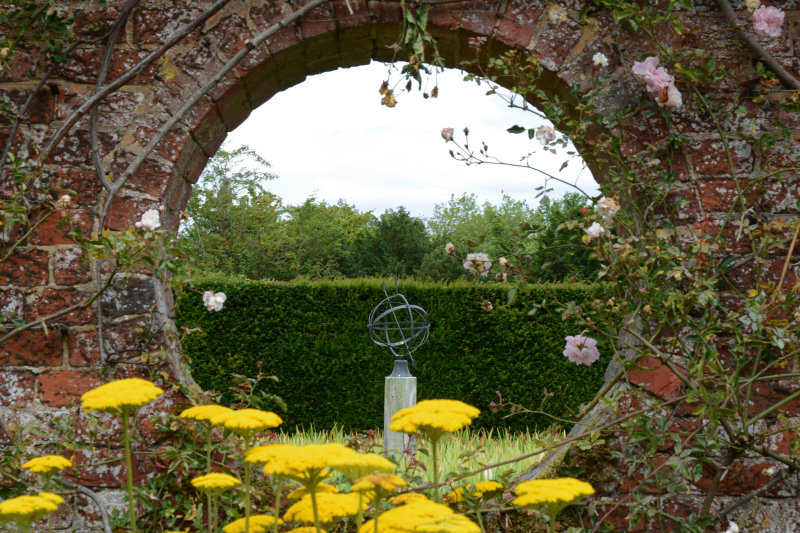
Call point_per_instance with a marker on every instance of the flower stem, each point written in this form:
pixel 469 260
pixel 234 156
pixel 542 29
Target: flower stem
pixel 435 456
pixel 126 439
pixel 277 512
pixel 314 508
pixel 247 467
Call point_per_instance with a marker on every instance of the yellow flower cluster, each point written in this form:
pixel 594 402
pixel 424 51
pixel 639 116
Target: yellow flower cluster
pixel 453 523
pixel 215 481
pixel 246 421
pixel 306 529
pixel 408 497
pixel 473 490
pixel 406 518
pixel 330 508
pixel 118 396
pixel 322 488
pixel 47 464
pixel 260 523
pixel 379 482
pixel 305 464
pixel 433 417
pixel 359 465
pixel 204 413
pixel 29 508
pixel 563 490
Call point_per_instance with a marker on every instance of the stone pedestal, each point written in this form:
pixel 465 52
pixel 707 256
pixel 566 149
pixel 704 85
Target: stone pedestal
pixel 400 391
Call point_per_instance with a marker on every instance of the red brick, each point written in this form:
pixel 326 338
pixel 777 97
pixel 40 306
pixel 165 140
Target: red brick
pixel 53 300
pixel 170 146
pixel 126 212
pixel 480 17
pixel 201 62
pixel 105 468
pixel 82 181
pixel 85 65
pixel 346 20
pixel 84 349
pixel 555 42
pixel 232 32
pixel 153 26
pixel 75 148
pixel 40 111
pixel 56 228
pixel 12 303
pixel 32 348
pixel 655 378
pixel 71 267
pixel 742 478
pixel 16 388
pixel 152 178
pixel 24 268
pixel 518 26
pixel 60 388
pixel 709 158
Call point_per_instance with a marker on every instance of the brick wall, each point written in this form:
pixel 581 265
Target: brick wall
pixel 44 371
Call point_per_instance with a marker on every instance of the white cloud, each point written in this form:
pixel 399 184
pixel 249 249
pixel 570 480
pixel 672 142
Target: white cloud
pixel 329 137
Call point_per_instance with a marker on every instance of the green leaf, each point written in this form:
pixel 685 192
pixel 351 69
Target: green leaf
pixel 512 297
pixel 515 129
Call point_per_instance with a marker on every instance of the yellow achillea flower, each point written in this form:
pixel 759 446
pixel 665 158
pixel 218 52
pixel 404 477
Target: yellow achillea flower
pixel 306 464
pixel 247 421
pixel 322 488
pixel 408 497
pixel 473 490
pixel 551 496
pixel 26 509
pixel 47 464
pixel 306 529
pixel 563 490
pixel 204 413
pixel 330 507
pixel 215 482
pixel 382 482
pixel 406 518
pixel 358 465
pixel 455 523
pixel 118 396
pixel 260 523
pixel 433 417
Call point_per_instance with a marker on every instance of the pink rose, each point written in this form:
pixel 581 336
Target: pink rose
pixel 656 78
pixel 581 350
pixel 767 21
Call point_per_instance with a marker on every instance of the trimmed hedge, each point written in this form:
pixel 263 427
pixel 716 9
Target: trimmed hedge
pixel 313 336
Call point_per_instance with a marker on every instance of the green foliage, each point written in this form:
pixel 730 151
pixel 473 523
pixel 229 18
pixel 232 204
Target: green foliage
pixel 392 245
pixel 539 238
pixel 313 336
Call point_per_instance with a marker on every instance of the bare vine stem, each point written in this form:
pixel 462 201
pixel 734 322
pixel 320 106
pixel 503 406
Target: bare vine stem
pixel 178 115
pixel 92 496
pixel 125 78
pixel 42 320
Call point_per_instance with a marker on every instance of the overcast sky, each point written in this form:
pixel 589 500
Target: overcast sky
pixel 330 138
